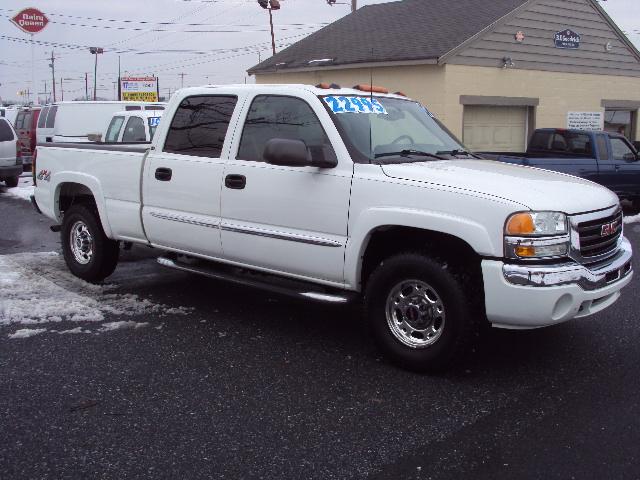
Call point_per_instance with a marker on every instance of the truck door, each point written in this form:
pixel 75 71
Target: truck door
pixel 620 169
pixel 280 218
pixel 183 177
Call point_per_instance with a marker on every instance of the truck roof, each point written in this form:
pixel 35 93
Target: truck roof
pixel 316 90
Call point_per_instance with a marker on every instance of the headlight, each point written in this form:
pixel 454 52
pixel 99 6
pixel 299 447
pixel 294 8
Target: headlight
pixel 536 224
pixel 536 235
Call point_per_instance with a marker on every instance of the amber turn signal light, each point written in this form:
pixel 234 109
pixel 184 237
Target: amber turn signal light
pixel 371 88
pixel 520 224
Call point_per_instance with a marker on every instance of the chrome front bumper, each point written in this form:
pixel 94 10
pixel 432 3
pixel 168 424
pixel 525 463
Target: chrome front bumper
pixel 588 278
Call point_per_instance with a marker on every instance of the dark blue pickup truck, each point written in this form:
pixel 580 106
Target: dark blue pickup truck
pixel 602 157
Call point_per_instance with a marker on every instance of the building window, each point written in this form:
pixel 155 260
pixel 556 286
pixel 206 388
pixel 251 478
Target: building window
pixel 620 121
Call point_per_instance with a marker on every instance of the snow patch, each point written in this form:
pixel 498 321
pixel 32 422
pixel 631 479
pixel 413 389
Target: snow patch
pixel 109 326
pixel 632 219
pixel 37 288
pixel 24 190
pixel 27 332
pixel 73 331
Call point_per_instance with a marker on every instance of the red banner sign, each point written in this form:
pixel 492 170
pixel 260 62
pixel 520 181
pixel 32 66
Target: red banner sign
pixel 30 20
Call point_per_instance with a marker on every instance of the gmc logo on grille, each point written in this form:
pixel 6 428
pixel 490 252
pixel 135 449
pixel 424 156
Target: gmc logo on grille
pixel 609 229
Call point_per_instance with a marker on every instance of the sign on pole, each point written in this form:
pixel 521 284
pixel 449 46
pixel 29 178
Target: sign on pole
pixel 139 89
pixel 30 20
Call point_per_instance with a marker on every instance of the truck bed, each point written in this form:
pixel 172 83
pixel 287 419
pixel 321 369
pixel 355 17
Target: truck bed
pixel 110 171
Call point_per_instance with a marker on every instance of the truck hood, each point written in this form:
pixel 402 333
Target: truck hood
pixel 533 188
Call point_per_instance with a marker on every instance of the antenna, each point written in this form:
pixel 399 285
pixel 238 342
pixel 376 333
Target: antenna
pixel 371 100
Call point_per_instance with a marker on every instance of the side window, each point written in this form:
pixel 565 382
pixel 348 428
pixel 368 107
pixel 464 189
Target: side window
pixel 134 131
pixel 621 150
pixel 6 133
pixel 114 129
pixel 281 117
pixel 601 140
pixel 51 117
pixel 200 125
pixel 540 141
pixel 43 117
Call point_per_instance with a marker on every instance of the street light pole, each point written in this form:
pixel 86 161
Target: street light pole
pixel 95 51
pixel 271 5
pixel 273 38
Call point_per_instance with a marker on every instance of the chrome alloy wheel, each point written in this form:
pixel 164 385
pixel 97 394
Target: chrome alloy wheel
pixel 415 313
pixel 81 242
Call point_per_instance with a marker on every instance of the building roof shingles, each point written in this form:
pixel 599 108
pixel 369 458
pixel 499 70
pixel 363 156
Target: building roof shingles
pixel 395 31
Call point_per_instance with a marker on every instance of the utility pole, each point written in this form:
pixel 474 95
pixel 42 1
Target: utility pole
pixel 354 5
pixel 119 80
pixel 53 74
pixel 181 75
pixel 61 90
pixel 86 86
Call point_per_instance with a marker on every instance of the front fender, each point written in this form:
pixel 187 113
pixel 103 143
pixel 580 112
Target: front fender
pixel 466 229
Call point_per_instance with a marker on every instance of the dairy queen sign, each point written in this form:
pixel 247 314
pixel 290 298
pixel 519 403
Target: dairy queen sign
pixel 30 20
pixel 567 39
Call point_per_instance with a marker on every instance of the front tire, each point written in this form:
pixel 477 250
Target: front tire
pixel 423 315
pixel 88 252
pixel 12 182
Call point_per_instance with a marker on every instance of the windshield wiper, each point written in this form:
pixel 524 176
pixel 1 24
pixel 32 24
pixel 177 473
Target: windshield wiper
pixel 407 153
pixel 455 153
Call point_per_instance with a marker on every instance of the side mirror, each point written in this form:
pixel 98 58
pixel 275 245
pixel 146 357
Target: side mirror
pixel 630 157
pixel 295 153
pixel 288 153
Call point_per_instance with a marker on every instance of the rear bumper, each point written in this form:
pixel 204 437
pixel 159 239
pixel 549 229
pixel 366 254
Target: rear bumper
pixel 11 171
pixel 528 296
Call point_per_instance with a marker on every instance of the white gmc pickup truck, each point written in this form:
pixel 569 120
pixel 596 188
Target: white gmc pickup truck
pixel 333 194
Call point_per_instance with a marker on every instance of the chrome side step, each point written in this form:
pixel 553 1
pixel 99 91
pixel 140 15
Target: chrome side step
pixel 271 283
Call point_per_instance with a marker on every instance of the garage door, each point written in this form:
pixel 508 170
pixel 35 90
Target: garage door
pixel 495 129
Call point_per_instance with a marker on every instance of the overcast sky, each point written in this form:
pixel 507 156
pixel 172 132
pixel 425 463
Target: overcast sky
pixel 236 35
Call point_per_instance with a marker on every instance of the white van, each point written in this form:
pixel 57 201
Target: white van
pixel 132 126
pixel 74 121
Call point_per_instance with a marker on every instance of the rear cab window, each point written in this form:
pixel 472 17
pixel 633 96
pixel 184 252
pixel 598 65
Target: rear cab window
pixel 291 118
pixel 114 129
pixel 200 124
pixel 561 142
pixel 134 131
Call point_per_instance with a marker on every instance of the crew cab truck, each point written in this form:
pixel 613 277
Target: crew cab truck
pixel 336 194
pixel 602 157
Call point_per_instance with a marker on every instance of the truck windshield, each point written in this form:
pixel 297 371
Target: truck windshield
pixel 390 130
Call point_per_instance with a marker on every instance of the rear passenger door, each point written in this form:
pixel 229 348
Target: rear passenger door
pixel 281 218
pixel 183 177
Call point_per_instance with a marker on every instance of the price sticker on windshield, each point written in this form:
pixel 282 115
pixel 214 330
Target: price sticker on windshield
pixel 355 105
pixel 154 121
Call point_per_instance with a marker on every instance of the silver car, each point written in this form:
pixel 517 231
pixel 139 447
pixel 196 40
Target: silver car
pixel 10 161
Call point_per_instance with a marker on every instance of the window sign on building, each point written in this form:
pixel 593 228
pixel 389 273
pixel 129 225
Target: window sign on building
pixel 567 39
pixel 585 120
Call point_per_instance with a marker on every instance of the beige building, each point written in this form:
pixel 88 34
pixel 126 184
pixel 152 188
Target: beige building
pixel 491 70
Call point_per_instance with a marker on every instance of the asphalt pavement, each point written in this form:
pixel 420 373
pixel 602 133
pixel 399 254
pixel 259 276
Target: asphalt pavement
pixel 229 382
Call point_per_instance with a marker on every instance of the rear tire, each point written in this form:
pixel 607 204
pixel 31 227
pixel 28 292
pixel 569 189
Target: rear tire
pixel 423 315
pixel 12 182
pixel 88 252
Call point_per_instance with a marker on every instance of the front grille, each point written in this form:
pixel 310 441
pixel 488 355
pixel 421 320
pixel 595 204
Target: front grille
pixel 599 237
